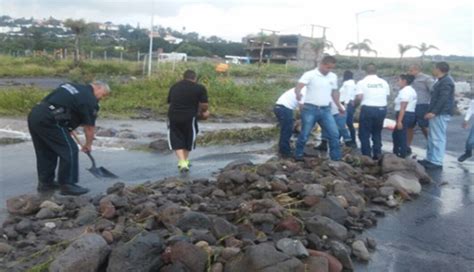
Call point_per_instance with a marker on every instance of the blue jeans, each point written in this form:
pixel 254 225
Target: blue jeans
pixel 470 140
pixel 285 120
pixel 437 139
pixel 309 116
pixel 350 120
pixel 371 125
pixel 341 126
pixel 399 136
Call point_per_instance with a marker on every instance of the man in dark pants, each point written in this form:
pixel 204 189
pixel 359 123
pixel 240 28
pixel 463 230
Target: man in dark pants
pixel 50 123
pixel 188 102
pixel 373 92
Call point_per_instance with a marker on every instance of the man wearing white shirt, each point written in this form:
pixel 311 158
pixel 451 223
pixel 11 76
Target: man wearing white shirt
pixel 321 86
pixel 470 138
pixel 283 110
pixel 405 104
pixel 373 92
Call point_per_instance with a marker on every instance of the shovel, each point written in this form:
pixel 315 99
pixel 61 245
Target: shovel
pixel 98 172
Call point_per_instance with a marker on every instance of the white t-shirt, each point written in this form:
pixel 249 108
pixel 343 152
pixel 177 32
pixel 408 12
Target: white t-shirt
pixel 407 94
pixel 347 91
pixel 374 90
pixel 319 87
pixel 288 98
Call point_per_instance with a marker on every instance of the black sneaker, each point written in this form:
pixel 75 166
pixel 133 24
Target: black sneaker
pixel 47 186
pixel 73 189
pixel 409 151
pixel 299 159
pixel 351 144
pixel 465 156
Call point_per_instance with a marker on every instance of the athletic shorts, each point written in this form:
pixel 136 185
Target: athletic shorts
pixel 182 134
pixel 420 111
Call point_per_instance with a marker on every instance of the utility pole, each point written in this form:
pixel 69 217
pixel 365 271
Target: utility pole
pixel 262 42
pixel 359 63
pixel 150 50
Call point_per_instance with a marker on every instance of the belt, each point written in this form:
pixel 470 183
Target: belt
pixel 319 106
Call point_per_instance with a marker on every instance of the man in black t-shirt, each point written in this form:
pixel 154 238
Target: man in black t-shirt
pixel 187 102
pixel 50 123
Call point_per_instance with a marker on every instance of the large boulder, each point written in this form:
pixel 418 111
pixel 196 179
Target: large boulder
pixel 141 254
pixel 86 254
pixel 392 163
pixel 332 208
pixel 263 258
pixel 187 256
pixel 292 247
pixel 24 204
pixel 404 181
pixel 87 215
pixel 322 225
pixel 193 220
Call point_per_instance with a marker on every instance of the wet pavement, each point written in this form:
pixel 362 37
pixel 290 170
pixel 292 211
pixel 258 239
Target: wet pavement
pixel 435 232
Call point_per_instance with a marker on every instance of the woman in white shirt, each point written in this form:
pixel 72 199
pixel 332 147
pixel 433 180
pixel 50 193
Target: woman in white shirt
pixel 405 104
pixel 470 138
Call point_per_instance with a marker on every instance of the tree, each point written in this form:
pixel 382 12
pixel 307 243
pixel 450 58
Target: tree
pixel 78 27
pixel 402 49
pixel 319 45
pixel 423 48
pixel 362 46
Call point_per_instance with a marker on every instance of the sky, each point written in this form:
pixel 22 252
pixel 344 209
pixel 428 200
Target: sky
pixel 447 25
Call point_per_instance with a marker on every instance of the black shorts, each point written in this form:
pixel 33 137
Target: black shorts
pixel 182 134
pixel 420 111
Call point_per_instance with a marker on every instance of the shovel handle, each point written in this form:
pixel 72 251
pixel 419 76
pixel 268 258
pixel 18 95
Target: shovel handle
pixel 92 159
pixel 74 135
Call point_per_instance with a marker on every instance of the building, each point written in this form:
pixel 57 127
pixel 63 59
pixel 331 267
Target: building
pixel 281 48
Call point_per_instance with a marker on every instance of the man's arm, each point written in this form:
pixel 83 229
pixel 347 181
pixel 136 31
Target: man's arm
pixel 89 132
pixel 335 97
pixel 298 88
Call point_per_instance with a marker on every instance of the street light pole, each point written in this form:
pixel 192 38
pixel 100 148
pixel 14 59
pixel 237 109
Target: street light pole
pixel 359 64
pixel 150 49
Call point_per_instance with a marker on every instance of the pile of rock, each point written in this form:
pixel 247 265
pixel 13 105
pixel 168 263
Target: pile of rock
pixel 277 216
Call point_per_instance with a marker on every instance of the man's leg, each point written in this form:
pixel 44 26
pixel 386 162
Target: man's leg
pixel 350 121
pixel 365 128
pixel 469 145
pixel 341 126
pixel 437 139
pixel 308 119
pixel 329 125
pixel 377 128
pixel 285 119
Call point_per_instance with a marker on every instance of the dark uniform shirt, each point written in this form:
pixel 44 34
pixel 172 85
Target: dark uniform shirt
pixel 184 98
pixel 78 100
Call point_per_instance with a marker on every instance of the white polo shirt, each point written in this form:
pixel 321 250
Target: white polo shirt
pixel 407 94
pixel 374 90
pixel 347 91
pixel 319 87
pixel 470 111
pixel 288 98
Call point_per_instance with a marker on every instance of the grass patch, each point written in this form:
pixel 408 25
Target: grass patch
pixel 237 136
pixel 19 101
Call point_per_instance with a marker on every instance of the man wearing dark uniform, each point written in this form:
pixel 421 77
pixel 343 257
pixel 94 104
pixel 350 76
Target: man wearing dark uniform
pixel 188 102
pixel 50 124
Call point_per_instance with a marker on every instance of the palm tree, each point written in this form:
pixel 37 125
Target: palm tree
pixel 78 27
pixel 362 46
pixel 319 45
pixel 402 49
pixel 423 48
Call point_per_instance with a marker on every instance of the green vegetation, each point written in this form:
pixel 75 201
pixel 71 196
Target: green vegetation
pixel 14 102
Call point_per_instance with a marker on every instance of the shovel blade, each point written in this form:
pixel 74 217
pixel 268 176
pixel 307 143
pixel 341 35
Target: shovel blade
pixel 101 172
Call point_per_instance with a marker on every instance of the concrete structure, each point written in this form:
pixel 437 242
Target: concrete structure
pixel 281 48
